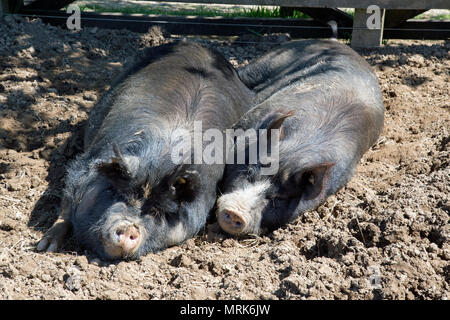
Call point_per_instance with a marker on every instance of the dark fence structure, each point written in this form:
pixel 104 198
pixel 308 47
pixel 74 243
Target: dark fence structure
pixel 373 21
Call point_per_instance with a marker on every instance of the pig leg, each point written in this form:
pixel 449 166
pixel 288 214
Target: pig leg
pixel 54 237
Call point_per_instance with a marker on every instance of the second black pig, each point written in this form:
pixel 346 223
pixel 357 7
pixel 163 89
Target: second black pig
pixel 125 196
pixel 326 102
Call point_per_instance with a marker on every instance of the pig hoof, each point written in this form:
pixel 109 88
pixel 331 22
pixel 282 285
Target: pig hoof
pixel 231 222
pixel 54 237
pixel 48 244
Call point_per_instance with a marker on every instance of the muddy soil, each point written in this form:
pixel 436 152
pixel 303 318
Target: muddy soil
pixel 386 235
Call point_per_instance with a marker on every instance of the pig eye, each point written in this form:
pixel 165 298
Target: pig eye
pixel 185 186
pixel 252 173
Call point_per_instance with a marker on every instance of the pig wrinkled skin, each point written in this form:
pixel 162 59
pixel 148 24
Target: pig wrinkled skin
pixel 326 102
pixel 124 196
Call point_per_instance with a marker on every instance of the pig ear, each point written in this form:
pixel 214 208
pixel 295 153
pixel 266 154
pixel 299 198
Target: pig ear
pixel 275 121
pixel 313 181
pixel 185 185
pixel 115 170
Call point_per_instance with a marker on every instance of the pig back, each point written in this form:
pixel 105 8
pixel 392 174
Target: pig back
pixel 318 79
pixel 171 86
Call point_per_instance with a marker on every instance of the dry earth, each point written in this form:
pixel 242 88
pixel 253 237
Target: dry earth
pixel 386 235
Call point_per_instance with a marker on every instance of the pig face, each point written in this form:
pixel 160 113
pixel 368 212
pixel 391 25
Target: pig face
pixel 252 202
pixel 128 213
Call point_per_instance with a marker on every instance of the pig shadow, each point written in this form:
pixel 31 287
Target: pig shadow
pixel 40 73
pixel 46 209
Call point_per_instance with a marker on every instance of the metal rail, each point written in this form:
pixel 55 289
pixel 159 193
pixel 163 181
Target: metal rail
pixel 190 25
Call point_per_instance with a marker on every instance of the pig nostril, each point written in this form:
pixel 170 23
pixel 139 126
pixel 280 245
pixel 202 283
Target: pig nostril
pixel 130 239
pixel 127 237
pixel 231 221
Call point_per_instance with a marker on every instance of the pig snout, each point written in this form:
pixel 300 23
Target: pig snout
pixel 123 239
pixel 238 212
pixel 123 234
pixel 232 222
pixel 126 236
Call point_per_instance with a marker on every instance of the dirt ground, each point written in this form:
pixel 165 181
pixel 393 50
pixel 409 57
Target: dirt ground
pixel 386 235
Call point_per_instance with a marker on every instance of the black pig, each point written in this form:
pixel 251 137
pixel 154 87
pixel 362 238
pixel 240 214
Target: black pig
pixel 125 196
pixel 326 102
